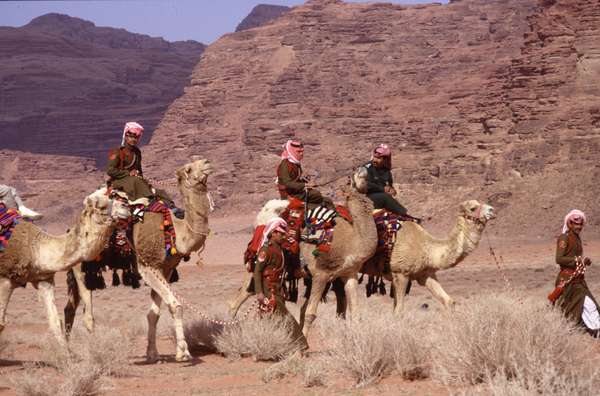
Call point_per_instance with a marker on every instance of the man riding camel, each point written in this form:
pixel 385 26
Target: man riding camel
pixel 268 273
pixel 11 199
pixel 571 294
pixel 290 181
pixel 125 169
pixel 380 186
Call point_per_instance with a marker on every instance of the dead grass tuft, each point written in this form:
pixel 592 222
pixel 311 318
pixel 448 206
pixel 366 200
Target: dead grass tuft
pixel 201 334
pixel 511 343
pixel 267 338
pixel 106 350
pixel 312 371
pixel 79 379
pixel 377 344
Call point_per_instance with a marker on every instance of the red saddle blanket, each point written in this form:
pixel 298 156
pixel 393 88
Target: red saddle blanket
pixel 9 218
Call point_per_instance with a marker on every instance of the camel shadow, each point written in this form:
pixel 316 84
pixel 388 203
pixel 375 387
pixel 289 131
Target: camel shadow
pixel 13 363
pixel 167 359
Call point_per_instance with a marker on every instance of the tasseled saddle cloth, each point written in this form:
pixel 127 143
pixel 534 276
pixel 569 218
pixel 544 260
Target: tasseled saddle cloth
pixel 9 218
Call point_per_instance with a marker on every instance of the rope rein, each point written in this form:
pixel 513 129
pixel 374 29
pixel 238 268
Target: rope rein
pixel 160 277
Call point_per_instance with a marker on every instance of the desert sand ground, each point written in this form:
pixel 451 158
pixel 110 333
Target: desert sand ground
pixel 527 264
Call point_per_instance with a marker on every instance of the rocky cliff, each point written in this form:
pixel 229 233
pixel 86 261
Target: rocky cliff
pixel 496 100
pixel 260 15
pixel 68 86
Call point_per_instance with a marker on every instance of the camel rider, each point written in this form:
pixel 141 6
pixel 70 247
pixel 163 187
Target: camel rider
pixel 571 293
pixel 290 181
pixel 125 169
pixel 268 274
pixel 380 185
pixel 11 199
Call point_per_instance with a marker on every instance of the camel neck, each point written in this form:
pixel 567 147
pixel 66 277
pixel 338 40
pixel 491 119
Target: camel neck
pixel 193 229
pixel 461 241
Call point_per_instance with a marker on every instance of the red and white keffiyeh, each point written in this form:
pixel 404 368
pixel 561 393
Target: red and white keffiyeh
pixel 574 215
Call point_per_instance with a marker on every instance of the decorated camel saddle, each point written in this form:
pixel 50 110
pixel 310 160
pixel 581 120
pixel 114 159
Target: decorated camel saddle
pixel 314 225
pixel 119 251
pixel 388 224
pixel 9 218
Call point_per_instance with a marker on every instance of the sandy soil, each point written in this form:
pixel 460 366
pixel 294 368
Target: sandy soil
pixel 527 265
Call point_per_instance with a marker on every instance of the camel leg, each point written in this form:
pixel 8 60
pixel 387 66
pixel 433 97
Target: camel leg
pixel 240 298
pixel 318 285
pixel 400 282
pixel 159 284
pixel 79 293
pixel 152 317
pixel 6 290
pixel 340 298
pixel 432 284
pixel 46 293
pixel 351 289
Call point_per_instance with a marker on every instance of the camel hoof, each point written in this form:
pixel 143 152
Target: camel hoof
pixel 152 357
pixel 184 357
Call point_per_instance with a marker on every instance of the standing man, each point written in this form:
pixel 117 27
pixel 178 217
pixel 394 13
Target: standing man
pixel 268 274
pixel 380 185
pixel 10 197
pixel 125 169
pixel 571 294
pixel 290 181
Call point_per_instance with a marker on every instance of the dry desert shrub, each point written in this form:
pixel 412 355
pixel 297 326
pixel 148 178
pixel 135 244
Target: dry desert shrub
pixel 377 344
pixel 549 383
pixel 507 339
pixel 80 379
pixel 106 351
pixel 312 371
pixel 266 338
pixel 202 334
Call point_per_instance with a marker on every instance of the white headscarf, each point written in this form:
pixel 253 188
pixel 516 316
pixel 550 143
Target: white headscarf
pixel 575 214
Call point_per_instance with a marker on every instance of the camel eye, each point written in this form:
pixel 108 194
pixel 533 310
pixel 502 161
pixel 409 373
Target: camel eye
pixel 473 209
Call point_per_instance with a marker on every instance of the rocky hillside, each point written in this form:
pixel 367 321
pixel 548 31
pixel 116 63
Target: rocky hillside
pixel 260 15
pixel 495 100
pixel 68 86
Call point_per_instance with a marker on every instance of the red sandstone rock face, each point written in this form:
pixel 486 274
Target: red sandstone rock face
pixel 260 15
pixel 69 86
pixel 495 100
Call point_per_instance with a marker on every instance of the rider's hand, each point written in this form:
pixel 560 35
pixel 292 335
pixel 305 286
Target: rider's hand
pixel 260 298
pixel 310 184
pixel 134 172
pixel 587 261
pixel 390 190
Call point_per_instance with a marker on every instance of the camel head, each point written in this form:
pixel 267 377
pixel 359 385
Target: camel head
pixel 94 225
pixel 476 212
pixel 359 180
pixel 194 175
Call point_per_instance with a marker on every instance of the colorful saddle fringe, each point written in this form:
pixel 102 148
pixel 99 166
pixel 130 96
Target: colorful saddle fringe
pixel 167 225
pixel 387 224
pixel 9 218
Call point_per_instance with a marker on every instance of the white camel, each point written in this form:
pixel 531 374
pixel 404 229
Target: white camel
pixel 33 256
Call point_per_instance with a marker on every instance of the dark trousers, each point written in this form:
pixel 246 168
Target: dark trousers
pixel 383 200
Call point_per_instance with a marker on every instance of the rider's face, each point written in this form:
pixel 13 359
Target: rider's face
pixel 131 139
pixel 377 161
pixel 576 226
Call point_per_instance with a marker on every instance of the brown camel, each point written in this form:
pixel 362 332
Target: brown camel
pixel 153 264
pixel 35 256
pixel 352 245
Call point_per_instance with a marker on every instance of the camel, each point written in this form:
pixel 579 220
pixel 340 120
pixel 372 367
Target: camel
pixel 153 264
pixel 418 256
pixel 33 256
pixel 353 243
